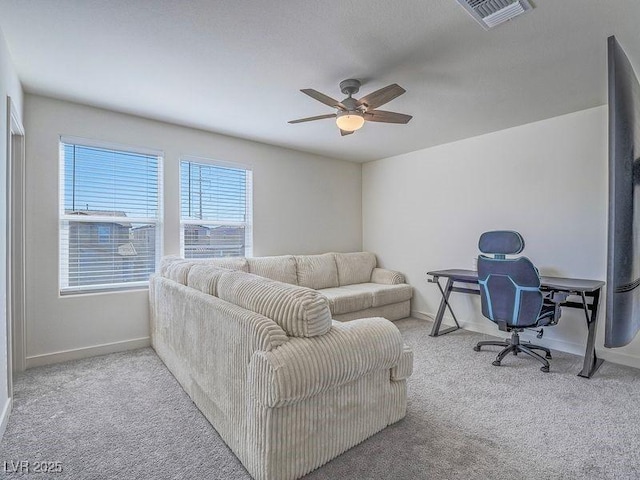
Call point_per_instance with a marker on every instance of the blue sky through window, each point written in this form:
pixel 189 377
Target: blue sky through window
pixel 213 193
pixel 107 181
pixel 104 181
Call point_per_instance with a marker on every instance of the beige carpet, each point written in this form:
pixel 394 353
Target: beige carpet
pixel 124 416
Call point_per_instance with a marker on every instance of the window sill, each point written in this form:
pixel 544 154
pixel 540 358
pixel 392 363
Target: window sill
pixel 81 292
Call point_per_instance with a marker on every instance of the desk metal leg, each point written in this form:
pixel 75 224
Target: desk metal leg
pixel 444 304
pixel 591 361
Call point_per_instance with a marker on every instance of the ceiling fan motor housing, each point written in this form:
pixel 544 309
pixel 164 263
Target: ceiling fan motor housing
pixel 351 104
pixel 350 86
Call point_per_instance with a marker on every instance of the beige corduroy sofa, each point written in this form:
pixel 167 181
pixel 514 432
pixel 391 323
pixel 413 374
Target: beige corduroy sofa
pixel 352 283
pixel 287 387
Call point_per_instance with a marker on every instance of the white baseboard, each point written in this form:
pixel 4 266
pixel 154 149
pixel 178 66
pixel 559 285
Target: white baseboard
pixel 75 354
pixel 614 356
pixel 422 316
pixel 489 328
pixel 4 417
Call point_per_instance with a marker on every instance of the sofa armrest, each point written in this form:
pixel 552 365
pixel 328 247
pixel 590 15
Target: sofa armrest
pixel 386 277
pixel 404 368
pixel 304 367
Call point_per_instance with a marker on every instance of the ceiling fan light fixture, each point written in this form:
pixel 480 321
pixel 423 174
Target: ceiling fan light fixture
pixel 350 121
pixel 351 113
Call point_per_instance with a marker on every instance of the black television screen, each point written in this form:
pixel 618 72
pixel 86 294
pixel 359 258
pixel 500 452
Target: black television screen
pixel 623 258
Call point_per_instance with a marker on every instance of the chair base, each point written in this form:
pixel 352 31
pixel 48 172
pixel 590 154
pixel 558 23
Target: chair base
pixel 514 346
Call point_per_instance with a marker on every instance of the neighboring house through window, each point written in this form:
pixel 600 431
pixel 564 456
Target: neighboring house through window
pixel 110 214
pixel 216 209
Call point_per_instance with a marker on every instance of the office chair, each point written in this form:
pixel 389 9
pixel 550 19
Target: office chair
pixel 511 297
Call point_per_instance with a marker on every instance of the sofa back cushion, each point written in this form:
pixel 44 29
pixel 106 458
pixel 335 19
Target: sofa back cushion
pixel 167 261
pixel 177 268
pixel 317 271
pixel 355 267
pixel 282 268
pixel 205 278
pixel 232 263
pixel 299 311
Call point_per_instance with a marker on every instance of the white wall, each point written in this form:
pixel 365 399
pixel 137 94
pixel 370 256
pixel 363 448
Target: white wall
pixel 302 204
pixel 9 85
pixel 548 180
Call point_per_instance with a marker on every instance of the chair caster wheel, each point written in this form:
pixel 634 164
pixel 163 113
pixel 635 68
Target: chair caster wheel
pixel 476 348
pixel 515 353
pixel 496 363
pixel 544 369
pixel 548 356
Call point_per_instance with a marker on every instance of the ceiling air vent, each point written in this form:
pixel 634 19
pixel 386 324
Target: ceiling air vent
pixel 490 13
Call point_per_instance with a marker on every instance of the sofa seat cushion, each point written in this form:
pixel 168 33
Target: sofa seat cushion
pixel 384 294
pixel 355 267
pixel 343 300
pixel 282 268
pixel 300 312
pixel 352 298
pixel 388 294
pixel 317 271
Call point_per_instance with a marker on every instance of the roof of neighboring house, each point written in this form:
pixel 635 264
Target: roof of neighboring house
pixel 101 213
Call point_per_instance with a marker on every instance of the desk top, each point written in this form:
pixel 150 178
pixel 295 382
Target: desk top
pixel 555 283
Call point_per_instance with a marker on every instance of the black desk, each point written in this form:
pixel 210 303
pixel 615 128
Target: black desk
pixel 585 289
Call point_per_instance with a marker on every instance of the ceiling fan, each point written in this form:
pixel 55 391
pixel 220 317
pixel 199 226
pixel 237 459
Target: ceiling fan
pixel 352 113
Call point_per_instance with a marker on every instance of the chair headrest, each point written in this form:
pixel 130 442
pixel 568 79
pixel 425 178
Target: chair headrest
pixel 501 242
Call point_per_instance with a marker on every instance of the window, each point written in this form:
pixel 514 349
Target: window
pixel 216 210
pixel 104 233
pixel 110 213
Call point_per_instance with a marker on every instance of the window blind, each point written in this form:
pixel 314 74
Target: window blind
pixel 216 210
pixel 110 210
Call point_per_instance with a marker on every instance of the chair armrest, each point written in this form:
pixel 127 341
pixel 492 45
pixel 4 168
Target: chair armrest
pixel 305 367
pixel 557 299
pixel 386 277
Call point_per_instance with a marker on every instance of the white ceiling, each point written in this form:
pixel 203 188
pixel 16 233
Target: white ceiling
pixel 236 66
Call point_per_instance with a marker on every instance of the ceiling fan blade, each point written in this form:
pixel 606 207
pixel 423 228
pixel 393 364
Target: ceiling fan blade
pixel 386 117
pixel 382 96
pixel 321 97
pixel 311 119
pixel 345 132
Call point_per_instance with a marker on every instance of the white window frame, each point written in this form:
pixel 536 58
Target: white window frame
pixel 63 288
pixel 247 224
